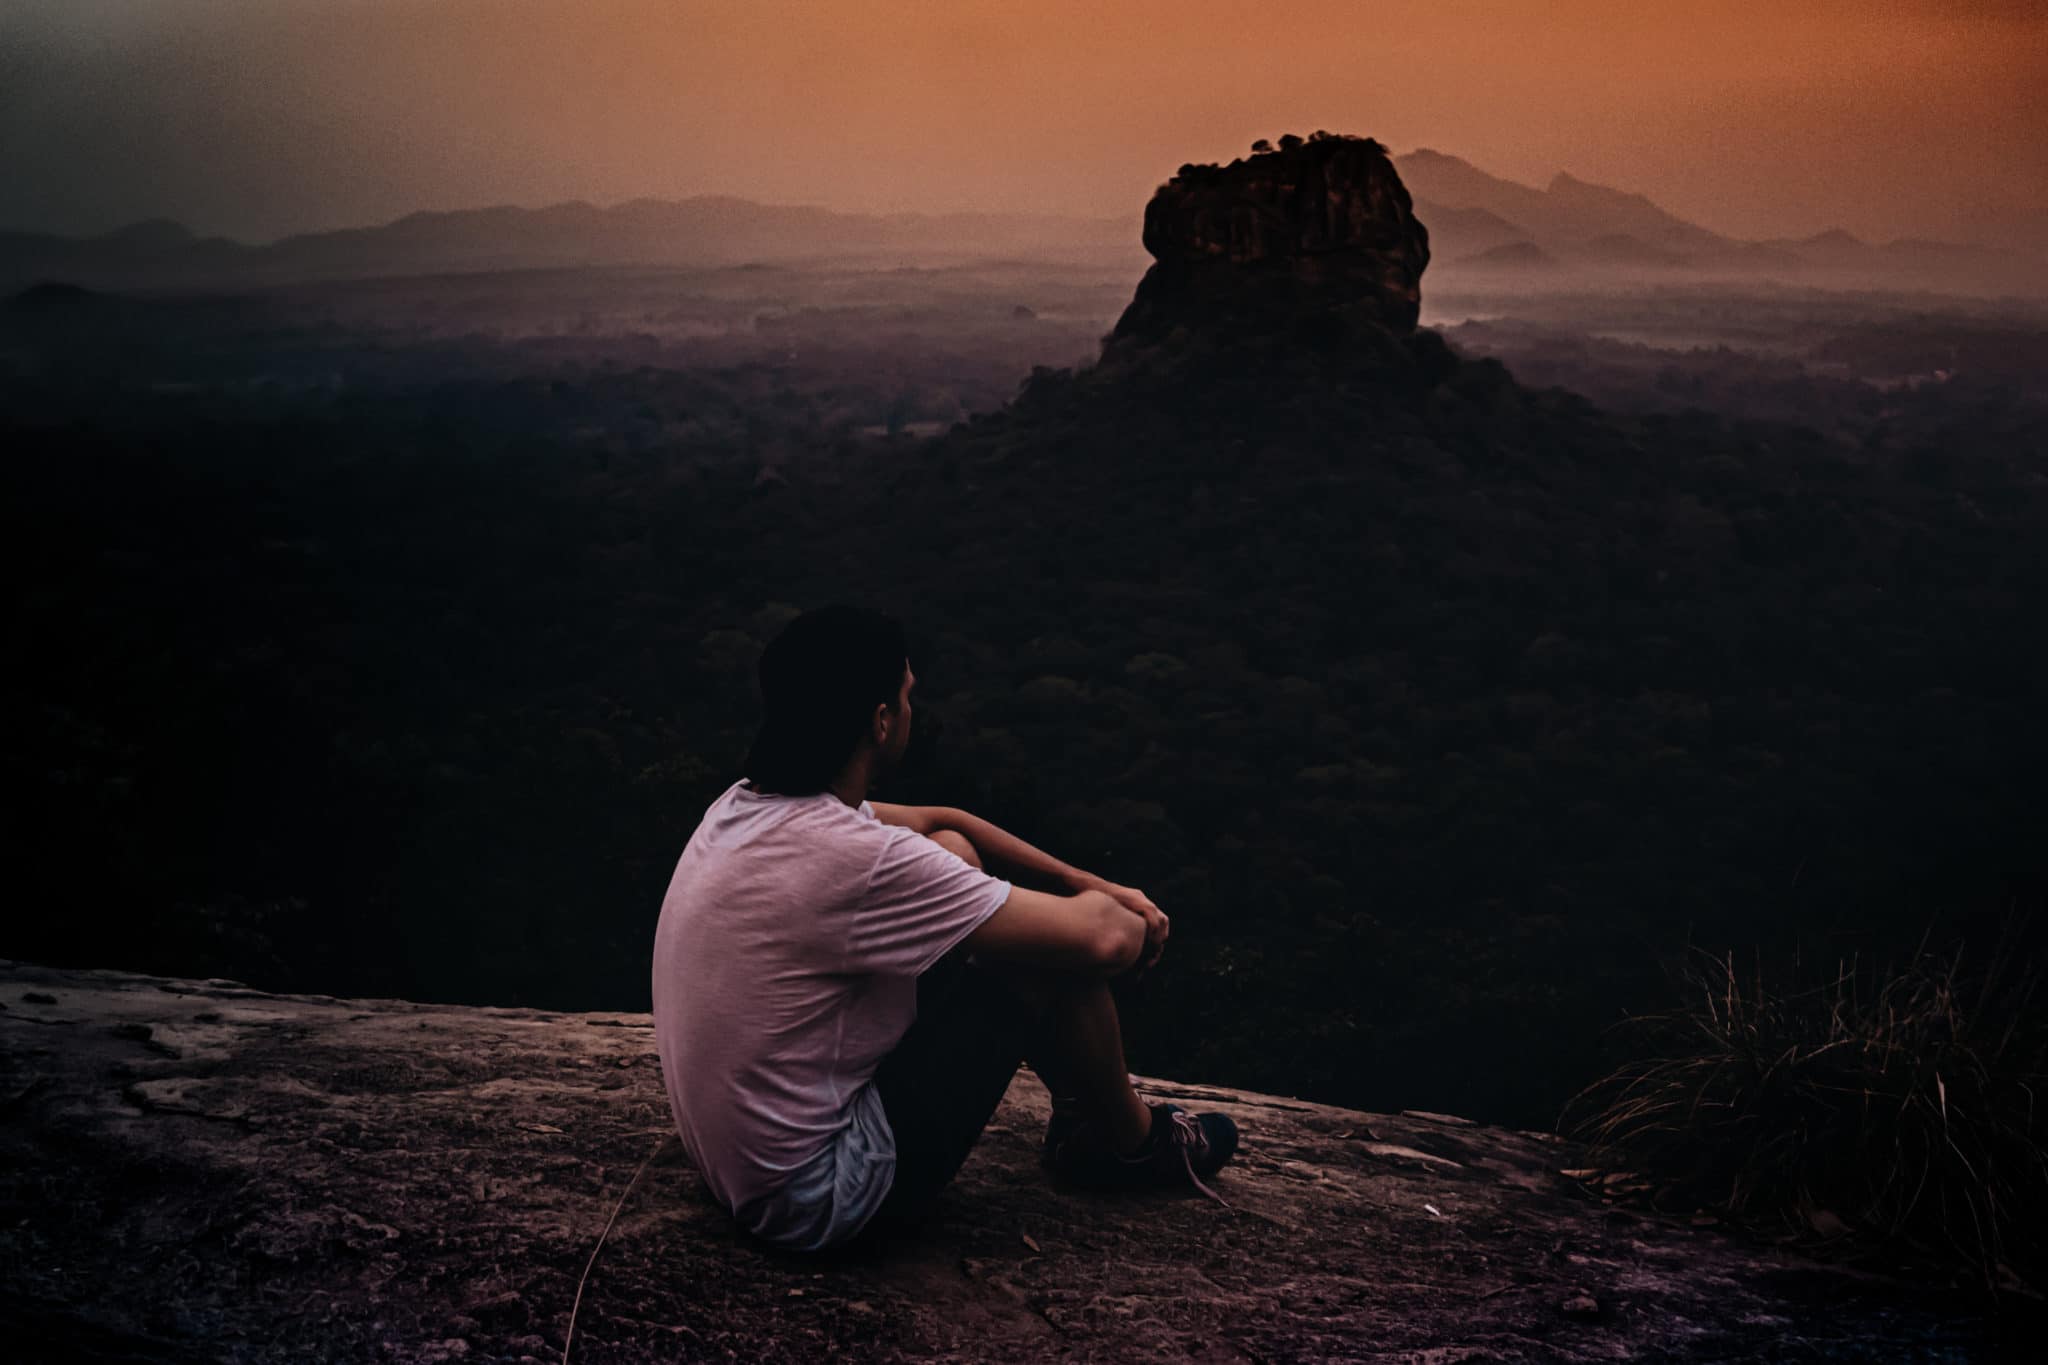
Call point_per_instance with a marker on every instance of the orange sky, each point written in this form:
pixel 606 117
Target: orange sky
pixel 1755 117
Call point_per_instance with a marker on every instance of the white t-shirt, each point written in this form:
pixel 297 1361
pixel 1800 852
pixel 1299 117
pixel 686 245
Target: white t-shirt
pixel 785 967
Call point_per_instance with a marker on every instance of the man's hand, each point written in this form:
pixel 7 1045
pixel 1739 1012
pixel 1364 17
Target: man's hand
pixel 1156 924
pixel 1004 854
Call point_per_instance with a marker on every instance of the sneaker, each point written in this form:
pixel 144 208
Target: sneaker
pixel 1182 1149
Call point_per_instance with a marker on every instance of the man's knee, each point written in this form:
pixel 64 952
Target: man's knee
pixel 953 841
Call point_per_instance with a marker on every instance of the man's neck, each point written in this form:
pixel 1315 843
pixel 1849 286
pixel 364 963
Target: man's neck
pixel 851 786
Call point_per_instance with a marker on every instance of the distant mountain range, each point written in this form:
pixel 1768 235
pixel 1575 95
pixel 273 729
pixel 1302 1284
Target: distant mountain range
pixel 1482 228
pixel 1481 223
pixel 710 230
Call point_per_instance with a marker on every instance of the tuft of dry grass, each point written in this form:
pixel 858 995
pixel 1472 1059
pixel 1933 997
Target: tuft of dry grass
pixel 1895 1116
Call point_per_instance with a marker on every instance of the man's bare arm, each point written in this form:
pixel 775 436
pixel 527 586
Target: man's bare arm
pixel 917 818
pixel 1001 852
pixel 1087 932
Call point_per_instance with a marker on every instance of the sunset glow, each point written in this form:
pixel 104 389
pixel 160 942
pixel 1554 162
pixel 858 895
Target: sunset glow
pixel 1757 119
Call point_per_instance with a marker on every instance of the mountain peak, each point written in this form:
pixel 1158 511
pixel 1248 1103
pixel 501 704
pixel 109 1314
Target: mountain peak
pixel 1833 238
pixel 1430 155
pixel 1560 217
pixel 1564 185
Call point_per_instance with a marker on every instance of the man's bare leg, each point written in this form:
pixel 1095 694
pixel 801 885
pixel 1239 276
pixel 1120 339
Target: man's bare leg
pixel 1083 1051
pixel 1080 1051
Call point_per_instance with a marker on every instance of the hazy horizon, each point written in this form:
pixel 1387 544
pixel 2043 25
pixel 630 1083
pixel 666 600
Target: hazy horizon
pixel 1913 118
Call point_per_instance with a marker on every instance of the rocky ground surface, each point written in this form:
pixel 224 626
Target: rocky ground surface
pixel 197 1171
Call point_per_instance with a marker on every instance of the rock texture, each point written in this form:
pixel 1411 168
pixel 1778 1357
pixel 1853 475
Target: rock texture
pixel 198 1171
pixel 1320 227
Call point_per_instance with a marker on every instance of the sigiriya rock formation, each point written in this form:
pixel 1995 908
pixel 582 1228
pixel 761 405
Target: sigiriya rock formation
pixel 1318 232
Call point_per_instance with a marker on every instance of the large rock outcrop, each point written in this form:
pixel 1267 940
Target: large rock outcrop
pixel 1316 232
pixel 195 1171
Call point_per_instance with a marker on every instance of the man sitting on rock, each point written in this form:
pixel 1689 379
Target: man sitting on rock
pixel 842 994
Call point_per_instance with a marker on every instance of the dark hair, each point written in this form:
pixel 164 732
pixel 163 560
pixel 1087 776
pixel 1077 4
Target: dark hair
pixel 821 679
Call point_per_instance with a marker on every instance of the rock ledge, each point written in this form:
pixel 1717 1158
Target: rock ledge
pixel 194 1170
